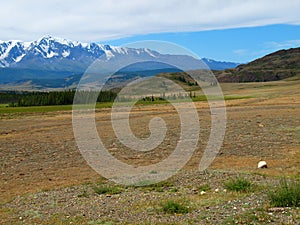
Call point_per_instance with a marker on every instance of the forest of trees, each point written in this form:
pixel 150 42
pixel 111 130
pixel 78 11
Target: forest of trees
pixel 15 99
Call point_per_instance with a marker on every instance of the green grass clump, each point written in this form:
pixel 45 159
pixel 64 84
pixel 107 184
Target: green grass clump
pixel 204 187
pixel 111 190
pixel 286 194
pixel 84 194
pixel 35 109
pixel 158 187
pixel 172 207
pixel 239 185
pixel 45 109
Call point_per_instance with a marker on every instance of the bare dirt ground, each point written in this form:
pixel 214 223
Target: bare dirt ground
pixel 42 172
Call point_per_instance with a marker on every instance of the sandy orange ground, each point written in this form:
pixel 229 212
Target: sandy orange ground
pixel 38 151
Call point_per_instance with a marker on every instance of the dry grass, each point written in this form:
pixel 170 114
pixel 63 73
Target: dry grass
pixel 38 151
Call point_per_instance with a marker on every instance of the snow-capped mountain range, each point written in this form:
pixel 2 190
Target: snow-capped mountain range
pixel 50 57
pixel 57 51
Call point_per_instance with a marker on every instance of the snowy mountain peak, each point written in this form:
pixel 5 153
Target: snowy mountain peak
pixel 16 53
pixel 50 39
pixel 58 54
pixel 53 53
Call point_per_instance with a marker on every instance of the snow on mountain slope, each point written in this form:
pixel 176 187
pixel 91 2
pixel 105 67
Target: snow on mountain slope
pixel 50 58
pixel 20 54
pixel 51 53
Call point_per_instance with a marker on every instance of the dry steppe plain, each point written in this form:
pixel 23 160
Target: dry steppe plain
pixel 45 180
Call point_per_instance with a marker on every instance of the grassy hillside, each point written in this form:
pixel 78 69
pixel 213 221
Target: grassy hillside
pixel 275 66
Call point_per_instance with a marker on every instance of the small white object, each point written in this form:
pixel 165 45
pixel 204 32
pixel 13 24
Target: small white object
pixel 217 190
pixel 202 192
pixel 262 164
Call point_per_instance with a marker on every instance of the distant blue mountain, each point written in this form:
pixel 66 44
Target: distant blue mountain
pixel 217 65
pixel 61 60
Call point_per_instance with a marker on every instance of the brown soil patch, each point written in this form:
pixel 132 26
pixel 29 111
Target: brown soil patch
pixel 38 151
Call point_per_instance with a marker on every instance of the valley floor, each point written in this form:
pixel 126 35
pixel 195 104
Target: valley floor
pixel 45 180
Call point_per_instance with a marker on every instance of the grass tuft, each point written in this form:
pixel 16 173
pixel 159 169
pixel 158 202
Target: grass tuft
pixel 239 185
pixel 286 194
pixel 158 187
pixel 204 187
pixel 84 194
pixel 111 190
pixel 172 207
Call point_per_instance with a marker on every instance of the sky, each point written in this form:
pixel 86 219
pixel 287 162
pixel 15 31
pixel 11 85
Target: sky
pixel 232 30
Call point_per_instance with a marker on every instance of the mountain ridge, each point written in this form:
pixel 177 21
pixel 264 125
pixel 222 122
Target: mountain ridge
pixel 48 49
pixel 18 54
pixel 52 62
pixel 278 65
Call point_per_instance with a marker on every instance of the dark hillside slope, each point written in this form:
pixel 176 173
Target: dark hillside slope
pixel 275 66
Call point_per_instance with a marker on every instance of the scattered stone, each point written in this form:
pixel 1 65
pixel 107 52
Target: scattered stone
pixel 137 204
pixel 276 209
pixel 262 164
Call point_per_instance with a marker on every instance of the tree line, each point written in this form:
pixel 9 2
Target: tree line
pixel 15 99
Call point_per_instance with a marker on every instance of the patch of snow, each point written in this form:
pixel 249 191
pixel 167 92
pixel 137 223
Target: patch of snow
pixel 62 41
pixel 4 63
pixel 109 54
pixel 48 38
pixel 26 45
pixel 101 47
pixel 10 44
pixel 208 60
pixel 119 50
pixel 149 52
pixel 38 51
pixel 51 54
pixel 45 48
pixel 19 58
pixel 84 45
pixel 74 43
pixel 65 53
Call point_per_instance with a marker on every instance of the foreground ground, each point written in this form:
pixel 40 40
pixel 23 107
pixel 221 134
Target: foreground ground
pixel 45 180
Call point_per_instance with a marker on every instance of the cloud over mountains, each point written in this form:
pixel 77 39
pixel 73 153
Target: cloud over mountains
pixel 93 20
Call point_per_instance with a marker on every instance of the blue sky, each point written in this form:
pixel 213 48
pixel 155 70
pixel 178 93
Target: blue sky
pixel 235 30
pixel 236 45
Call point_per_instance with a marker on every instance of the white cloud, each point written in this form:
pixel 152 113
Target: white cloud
pixel 241 51
pixel 266 48
pixel 93 20
pixel 284 44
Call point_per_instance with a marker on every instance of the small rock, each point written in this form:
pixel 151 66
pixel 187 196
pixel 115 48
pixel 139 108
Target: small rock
pixel 202 192
pixel 262 164
pixel 217 190
pixel 276 209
